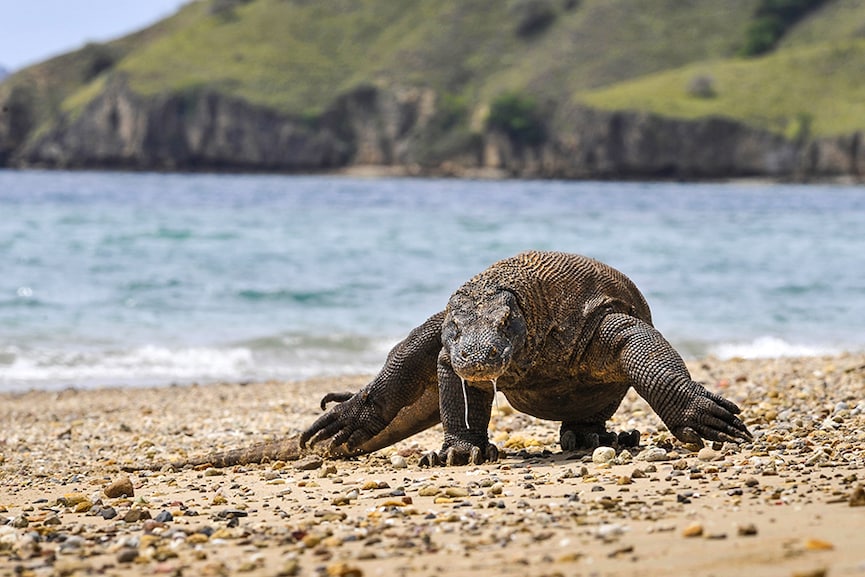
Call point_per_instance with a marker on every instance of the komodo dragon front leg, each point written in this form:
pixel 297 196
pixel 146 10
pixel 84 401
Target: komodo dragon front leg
pixel 400 401
pixel 659 375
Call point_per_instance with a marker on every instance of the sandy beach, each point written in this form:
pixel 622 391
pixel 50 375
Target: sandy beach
pixel 791 503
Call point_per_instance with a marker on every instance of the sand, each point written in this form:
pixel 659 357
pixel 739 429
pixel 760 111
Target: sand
pixel 790 503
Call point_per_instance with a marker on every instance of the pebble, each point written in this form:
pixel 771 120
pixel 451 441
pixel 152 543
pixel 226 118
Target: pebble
pixel 398 462
pixel 708 454
pixel 603 455
pixel 343 570
pixel 121 487
pixel 654 455
pixel 624 457
pixel 818 545
pixel 693 530
pixel 818 572
pixel 857 497
pixel 456 492
pixel 108 512
pixel 136 514
pixel 309 463
pixel 747 530
pixel 127 555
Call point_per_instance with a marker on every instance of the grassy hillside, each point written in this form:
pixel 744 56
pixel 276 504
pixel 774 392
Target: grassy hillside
pixel 298 55
pixel 809 90
pixel 811 85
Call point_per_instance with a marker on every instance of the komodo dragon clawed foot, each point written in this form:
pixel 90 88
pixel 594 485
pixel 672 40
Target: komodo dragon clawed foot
pixel 461 454
pixel 587 437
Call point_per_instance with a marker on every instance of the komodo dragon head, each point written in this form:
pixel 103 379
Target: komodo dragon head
pixel 482 333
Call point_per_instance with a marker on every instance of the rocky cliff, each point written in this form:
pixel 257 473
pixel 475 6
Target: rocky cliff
pixel 400 129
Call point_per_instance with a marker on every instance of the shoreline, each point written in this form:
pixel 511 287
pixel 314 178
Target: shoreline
pixel 778 506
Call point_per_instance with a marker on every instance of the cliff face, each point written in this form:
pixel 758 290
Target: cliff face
pixel 369 126
pixel 120 129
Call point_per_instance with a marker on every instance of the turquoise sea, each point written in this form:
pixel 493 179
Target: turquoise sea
pixel 137 278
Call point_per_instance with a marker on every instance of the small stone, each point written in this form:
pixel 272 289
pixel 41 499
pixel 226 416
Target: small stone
pixel 343 570
pixel 108 513
pixel 340 500
pixel 20 522
pixel 624 457
pixel 624 480
pixel 456 492
pixel 603 455
pixel 72 499
pixel 135 514
pixel 693 530
pixel 310 463
pixel 310 541
pixel 708 454
pixel 818 572
pixel 121 487
pixel 327 470
pixel 290 568
pixel 231 514
pixel 655 454
pixel 127 555
pixel 857 498
pixel 747 530
pixel 429 491
pixel 818 545
pixel 638 474
pixel 164 517
pixel 398 462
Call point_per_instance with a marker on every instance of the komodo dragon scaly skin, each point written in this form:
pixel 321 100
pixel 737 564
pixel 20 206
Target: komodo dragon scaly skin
pixel 562 336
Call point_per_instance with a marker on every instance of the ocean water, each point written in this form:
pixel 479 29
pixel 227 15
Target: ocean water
pixel 136 278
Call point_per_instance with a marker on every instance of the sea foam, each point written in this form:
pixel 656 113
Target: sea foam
pixel 767 347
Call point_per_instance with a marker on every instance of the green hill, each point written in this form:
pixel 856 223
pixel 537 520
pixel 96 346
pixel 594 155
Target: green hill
pixel 675 58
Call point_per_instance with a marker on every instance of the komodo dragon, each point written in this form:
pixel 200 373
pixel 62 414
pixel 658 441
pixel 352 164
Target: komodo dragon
pixel 562 336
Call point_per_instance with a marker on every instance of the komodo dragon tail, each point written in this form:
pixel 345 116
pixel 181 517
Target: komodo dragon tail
pixel 287 449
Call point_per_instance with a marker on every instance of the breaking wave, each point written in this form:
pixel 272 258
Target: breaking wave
pixel 767 347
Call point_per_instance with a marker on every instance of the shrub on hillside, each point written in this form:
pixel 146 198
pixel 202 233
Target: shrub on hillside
pixel 517 116
pixel 533 16
pixel 702 86
pixel 97 58
pixel 771 21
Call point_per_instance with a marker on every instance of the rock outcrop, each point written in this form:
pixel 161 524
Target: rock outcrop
pixel 206 130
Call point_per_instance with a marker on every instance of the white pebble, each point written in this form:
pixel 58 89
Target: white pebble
pixel 654 454
pixel 603 455
pixel 398 462
pixel 624 457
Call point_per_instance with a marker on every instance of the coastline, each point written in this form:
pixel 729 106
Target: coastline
pixel 779 506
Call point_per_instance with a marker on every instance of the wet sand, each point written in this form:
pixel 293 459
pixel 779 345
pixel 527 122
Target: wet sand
pixel 790 503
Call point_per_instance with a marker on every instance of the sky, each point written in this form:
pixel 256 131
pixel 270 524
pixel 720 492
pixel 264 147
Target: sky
pixel 34 30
